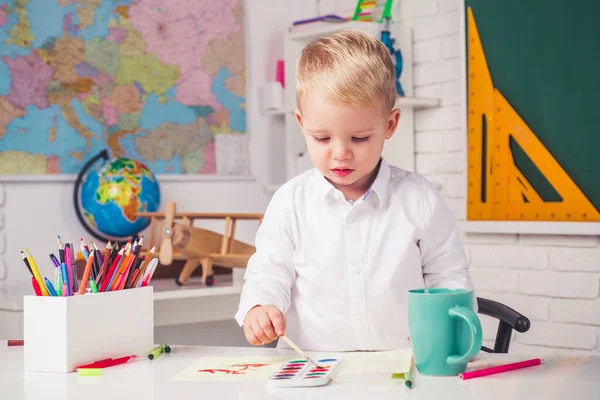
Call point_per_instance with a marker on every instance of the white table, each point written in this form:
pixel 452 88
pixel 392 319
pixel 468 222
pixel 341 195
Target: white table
pixel 563 377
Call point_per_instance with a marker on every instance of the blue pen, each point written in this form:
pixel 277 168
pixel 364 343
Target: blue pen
pixel 65 277
pixel 50 287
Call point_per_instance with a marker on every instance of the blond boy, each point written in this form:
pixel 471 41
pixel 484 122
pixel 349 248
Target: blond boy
pixel 341 244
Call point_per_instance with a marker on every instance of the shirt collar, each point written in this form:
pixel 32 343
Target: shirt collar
pixel 379 185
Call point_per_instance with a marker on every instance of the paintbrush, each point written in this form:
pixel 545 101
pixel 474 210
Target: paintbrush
pixel 298 349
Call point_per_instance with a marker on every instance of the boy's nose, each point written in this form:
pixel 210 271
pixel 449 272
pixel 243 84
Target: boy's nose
pixel 341 152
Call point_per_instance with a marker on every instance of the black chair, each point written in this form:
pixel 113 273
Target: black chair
pixel 508 319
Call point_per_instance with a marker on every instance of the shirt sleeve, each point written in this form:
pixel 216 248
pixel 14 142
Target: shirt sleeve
pixel 270 272
pixel 443 259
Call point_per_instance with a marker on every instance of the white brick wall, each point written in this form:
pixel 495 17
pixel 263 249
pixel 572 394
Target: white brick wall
pixel 554 280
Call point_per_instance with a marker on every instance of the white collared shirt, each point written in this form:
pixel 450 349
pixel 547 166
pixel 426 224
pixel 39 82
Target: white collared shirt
pixel 340 271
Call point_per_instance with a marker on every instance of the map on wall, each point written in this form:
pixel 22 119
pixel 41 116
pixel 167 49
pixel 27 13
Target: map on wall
pixel 158 81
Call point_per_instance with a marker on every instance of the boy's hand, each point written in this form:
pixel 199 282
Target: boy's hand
pixel 263 324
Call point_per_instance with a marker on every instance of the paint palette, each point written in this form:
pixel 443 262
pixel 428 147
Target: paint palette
pixel 300 372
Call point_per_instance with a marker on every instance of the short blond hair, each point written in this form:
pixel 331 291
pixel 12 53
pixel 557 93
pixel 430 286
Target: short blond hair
pixel 349 66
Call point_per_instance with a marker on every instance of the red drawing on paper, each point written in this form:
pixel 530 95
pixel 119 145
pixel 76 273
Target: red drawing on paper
pixel 241 370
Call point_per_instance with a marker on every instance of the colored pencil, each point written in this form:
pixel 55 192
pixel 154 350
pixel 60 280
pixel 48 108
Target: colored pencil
pixel 120 272
pixel 108 276
pixel 500 368
pixel 105 263
pixel 142 268
pixel 36 273
pixel 98 254
pixel 86 273
pixel 26 263
pixel 61 250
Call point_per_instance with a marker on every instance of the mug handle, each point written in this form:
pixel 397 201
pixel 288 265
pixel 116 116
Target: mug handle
pixel 471 319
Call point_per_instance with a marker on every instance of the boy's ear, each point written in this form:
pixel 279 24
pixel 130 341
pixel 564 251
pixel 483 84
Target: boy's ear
pixel 392 123
pixel 299 117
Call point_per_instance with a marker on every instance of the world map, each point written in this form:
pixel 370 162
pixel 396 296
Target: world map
pixel 153 80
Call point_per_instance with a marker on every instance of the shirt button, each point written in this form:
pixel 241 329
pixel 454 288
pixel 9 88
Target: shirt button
pixel 357 271
pixel 360 324
pixel 351 219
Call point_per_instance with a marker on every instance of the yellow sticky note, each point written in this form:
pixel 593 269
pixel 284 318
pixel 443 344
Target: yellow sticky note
pixel 89 371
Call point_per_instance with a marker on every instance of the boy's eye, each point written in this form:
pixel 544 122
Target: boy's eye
pixel 360 139
pixel 321 139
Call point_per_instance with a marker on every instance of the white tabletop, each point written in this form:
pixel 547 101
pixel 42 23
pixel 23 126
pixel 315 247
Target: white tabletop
pixel 563 377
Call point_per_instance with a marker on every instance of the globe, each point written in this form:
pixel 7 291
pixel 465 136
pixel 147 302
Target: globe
pixel 113 192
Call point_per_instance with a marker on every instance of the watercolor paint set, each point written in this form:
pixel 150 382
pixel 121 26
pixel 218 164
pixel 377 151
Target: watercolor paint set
pixel 300 372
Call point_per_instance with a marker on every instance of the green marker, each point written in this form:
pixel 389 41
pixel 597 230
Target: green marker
pixel 93 286
pixel 407 380
pixel 89 371
pixel 167 348
pixel 154 354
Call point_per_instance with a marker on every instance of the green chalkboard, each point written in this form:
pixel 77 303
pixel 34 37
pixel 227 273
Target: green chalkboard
pixel 544 57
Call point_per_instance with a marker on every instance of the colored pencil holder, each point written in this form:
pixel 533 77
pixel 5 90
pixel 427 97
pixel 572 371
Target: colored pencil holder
pixel 62 333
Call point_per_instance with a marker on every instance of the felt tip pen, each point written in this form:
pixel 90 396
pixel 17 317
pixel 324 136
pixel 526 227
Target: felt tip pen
pixel 73 271
pixel 58 280
pixel 36 286
pixel 407 380
pixel 93 286
pixel 54 261
pixel 50 287
pixel 154 354
pixel 65 278
pixel 109 362
pixel 500 368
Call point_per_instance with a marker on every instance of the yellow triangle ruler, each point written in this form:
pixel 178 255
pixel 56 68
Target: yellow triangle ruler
pixel 497 190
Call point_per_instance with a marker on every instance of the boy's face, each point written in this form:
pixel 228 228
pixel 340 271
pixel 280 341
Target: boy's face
pixel 344 142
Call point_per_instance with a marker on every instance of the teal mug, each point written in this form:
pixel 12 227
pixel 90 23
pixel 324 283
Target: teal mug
pixel 445 333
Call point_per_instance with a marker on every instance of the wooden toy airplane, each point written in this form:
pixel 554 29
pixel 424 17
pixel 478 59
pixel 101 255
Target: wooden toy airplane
pixel 198 246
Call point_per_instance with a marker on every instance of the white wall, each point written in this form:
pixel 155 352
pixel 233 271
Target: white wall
pixel 554 280
pixel 33 214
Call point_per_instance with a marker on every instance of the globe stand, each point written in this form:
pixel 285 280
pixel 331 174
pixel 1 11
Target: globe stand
pixel 102 155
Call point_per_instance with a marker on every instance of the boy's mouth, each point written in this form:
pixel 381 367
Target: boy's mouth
pixel 342 171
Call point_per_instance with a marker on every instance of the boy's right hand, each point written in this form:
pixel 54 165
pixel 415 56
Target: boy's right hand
pixel 263 324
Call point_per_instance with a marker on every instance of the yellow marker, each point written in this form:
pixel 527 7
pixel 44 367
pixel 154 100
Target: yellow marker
pixel 36 273
pixel 154 354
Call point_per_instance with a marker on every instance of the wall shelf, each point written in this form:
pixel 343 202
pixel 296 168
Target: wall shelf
pixel 314 30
